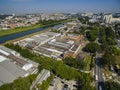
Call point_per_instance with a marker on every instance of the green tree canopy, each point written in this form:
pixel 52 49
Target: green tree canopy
pixel 110 85
pixel 113 50
pixel 108 59
pixel 109 32
pixel 92 47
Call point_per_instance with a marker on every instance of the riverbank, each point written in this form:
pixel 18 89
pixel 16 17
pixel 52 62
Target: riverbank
pixel 21 29
pixel 17 39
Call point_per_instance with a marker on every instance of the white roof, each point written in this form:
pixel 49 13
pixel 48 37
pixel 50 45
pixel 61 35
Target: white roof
pixel 27 66
pixel 70 42
pixel 53 50
pixel 3 52
pixel 53 40
pixel 2 58
pixel 28 39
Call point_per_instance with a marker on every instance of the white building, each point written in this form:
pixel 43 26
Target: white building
pixel 110 19
pixel 9 71
pixel 14 57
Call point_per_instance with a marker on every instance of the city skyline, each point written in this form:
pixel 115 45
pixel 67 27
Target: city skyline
pixel 61 6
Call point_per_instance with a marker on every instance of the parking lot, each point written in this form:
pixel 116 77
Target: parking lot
pixel 61 84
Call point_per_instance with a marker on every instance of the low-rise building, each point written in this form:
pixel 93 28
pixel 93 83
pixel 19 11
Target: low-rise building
pixel 53 45
pixel 12 66
pixel 9 71
pixel 43 75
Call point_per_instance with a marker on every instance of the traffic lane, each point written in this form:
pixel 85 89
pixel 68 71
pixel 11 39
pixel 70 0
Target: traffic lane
pixel 98 72
pixel 101 83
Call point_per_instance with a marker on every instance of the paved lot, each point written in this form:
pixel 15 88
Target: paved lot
pixel 59 84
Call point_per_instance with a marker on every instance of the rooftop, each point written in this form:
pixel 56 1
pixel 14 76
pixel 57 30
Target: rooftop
pixel 9 71
pixel 12 65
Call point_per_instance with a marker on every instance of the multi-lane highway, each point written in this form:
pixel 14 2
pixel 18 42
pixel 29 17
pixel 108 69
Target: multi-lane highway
pixel 99 82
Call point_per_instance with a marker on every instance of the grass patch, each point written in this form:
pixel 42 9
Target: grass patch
pixel 117 59
pixel 87 62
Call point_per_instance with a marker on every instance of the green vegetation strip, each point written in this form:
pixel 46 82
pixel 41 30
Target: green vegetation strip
pixel 87 62
pixel 20 83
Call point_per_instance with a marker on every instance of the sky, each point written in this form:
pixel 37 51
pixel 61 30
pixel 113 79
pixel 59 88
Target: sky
pixel 58 6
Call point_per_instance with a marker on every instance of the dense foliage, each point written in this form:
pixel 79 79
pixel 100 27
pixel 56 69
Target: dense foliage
pixel 48 22
pixel 19 84
pixel 112 86
pixel 84 64
pixel 108 59
pixel 91 47
pixel 107 36
pixel 117 30
pixel 72 62
pixel 107 39
pixel 92 34
pixel 113 50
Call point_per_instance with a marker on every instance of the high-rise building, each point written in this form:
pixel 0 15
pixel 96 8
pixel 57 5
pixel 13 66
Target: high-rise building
pixel 110 19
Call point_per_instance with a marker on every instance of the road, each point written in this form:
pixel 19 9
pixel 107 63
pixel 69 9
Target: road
pixel 100 82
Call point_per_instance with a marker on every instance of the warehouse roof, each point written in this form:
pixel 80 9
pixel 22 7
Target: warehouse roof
pixel 6 49
pixel 9 72
pixel 2 58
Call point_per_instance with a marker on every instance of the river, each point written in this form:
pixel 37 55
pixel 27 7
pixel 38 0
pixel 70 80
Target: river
pixel 4 39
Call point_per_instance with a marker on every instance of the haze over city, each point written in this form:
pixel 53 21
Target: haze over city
pixel 58 6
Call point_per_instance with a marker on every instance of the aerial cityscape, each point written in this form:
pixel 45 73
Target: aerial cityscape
pixel 59 45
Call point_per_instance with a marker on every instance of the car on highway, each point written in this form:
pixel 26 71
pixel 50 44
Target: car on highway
pixel 96 77
pixel 99 87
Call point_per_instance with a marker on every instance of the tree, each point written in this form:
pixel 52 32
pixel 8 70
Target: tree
pixel 108 59
pixel 91 35
pixel 109 32
pixel 20 83
pixel 102 39
pixel 6 87
pixel 113 51
pixel 92 47
pixel 107 36
pixel 71 62
pixel 44 85
pixel 110 41
pixel 104 46
pixel 110 85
